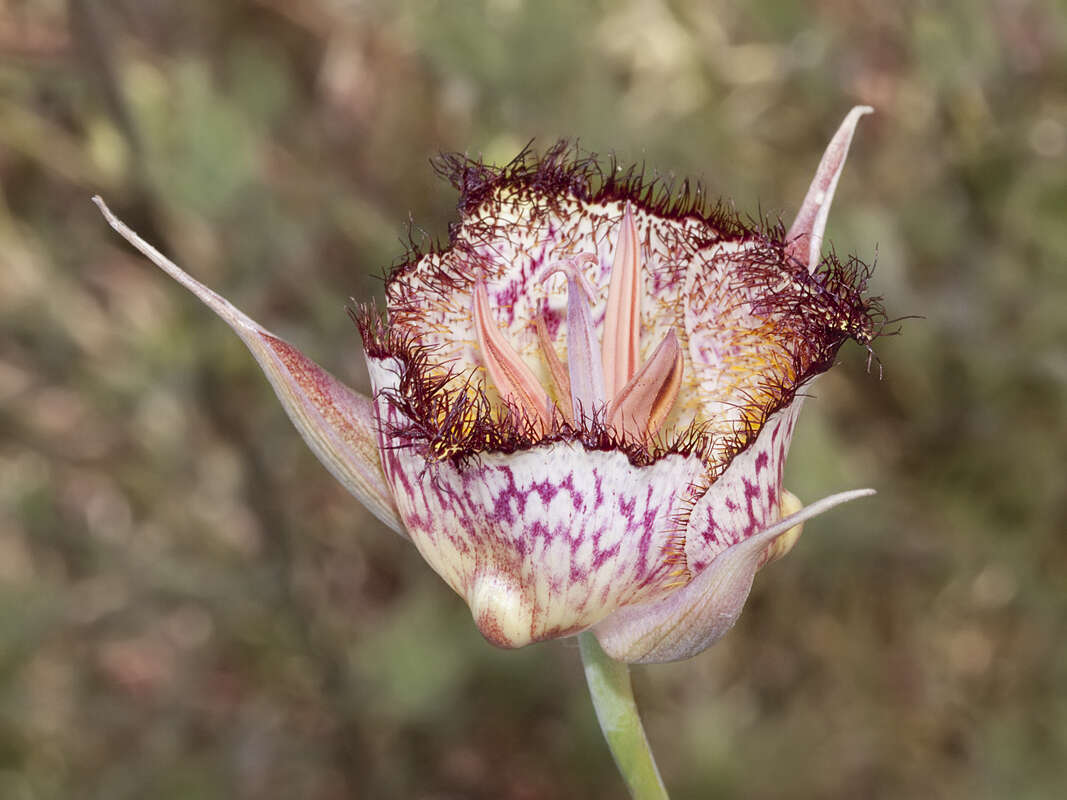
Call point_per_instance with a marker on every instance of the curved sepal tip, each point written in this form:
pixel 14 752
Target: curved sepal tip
pixel 338 423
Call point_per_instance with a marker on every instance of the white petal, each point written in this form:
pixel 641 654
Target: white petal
pixel 542 542
pixel 337 423
pixel 694 617
pixel 741 352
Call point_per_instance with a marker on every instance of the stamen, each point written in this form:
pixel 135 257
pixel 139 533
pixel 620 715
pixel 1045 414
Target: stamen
pixel 587 380
pixel 639 410
pixel 622 322
pixel 804 240
pixel 556 370
pixel 517 385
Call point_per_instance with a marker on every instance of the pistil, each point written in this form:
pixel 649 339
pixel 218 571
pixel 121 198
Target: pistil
pixel 588 397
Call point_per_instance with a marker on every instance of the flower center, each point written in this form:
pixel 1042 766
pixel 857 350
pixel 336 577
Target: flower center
pixel 632 398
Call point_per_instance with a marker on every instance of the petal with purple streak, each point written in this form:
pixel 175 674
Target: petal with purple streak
pixel 543 542
pixel 745 498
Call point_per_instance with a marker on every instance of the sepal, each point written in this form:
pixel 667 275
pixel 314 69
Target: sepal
pixel 338 423
pixel 805 235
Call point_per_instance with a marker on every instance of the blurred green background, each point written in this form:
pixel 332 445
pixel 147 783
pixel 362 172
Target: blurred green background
pixel 191 608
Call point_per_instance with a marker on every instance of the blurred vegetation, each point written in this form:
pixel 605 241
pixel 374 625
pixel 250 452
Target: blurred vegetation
pixel 190 607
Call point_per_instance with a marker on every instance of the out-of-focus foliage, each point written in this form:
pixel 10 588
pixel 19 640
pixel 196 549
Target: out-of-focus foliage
pixel 190 607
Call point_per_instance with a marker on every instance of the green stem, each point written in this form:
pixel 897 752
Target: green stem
pixel 613 699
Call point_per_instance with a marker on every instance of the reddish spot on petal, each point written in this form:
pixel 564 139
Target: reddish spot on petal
pixel 492 630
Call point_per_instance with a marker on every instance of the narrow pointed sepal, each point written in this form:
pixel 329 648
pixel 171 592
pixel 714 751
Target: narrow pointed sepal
pixel 691 619
pixel 338 424
pixel 805 235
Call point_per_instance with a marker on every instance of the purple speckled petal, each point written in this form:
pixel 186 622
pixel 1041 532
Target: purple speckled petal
pixel 746 497
pixel 543 542
pixel 691 619
pixel 337 423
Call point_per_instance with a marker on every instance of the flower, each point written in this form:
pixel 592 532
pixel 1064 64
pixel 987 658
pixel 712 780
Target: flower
pixel 582 404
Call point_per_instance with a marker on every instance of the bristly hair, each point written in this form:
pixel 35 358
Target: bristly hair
pixel 815 312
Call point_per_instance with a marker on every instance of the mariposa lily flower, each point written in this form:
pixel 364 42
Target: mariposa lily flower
pixel 582 404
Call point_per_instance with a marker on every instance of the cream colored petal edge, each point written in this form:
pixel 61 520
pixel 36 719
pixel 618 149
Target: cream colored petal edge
pixel 694 617
pixel 338 424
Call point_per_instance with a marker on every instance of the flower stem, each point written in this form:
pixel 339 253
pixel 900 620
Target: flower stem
pixel 613 699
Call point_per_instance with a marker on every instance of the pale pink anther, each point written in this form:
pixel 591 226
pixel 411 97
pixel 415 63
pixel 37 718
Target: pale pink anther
pixel 641 404
pixel 622 322
pixel 555 369
pixel 517 385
